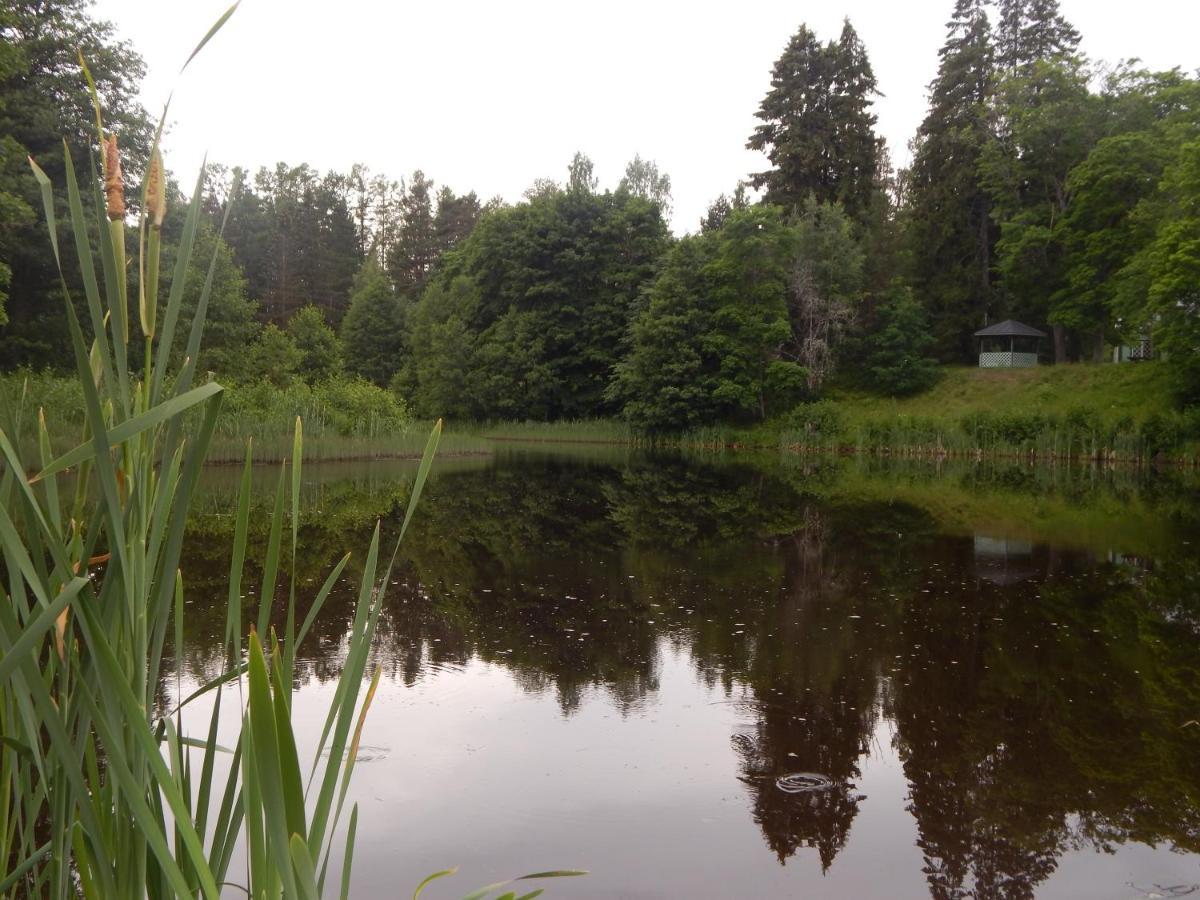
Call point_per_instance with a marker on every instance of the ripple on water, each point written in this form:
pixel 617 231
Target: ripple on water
pixel 803 783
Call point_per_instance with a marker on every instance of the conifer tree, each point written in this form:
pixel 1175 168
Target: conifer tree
pixel 1046 121
pixel 1033 31
pixel 817 126
pixel 372 331
pixel 416 247
pixel 951 234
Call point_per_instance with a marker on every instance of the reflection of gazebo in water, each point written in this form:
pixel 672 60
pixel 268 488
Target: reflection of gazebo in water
pixel 1008 345
pixel 1003 560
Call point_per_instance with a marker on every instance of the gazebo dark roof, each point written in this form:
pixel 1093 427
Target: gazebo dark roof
pixel 1009 328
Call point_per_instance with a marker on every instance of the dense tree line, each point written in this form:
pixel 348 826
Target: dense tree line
pixel 1042 187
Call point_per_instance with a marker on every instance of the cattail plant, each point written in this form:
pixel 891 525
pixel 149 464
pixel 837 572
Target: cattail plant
pixel 103 792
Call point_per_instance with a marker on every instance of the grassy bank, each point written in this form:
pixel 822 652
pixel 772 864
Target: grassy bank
pixel 1094 412
pixel 1099 412
pixel 344 418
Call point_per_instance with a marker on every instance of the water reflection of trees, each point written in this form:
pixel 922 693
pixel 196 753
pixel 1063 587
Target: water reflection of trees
pixel 1042 715
pixel 1030 717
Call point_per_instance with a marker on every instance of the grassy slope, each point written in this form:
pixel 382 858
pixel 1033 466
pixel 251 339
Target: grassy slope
pixel 1136 390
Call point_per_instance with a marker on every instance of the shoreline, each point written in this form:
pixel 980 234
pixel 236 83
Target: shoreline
pixel 910 452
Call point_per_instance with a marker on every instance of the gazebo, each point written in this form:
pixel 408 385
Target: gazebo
pixel 1008 345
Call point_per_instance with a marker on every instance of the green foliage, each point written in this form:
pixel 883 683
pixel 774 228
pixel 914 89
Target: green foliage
pixel 292 232
pixel 643 179
pixel 1051 123
pixel 320 355
pixel 706 345
pixel 897 360
pixel 670 376
pixel 1031 32
pixel 438 374
pixel 949 231
pixel 1100 233
pixel 818 130
pixel 42 101
pixel 825 290
pixel 1172 268
pixel 410 259
pixel 343 405
pixel 748 280
pixel 372 332
pixel 273 357
pixel 525 318
pixel 230 328
pixel 815 424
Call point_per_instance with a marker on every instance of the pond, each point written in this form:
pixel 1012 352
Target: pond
pixel 759 677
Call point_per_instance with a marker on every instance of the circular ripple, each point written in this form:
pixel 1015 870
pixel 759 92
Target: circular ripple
pixel 803 783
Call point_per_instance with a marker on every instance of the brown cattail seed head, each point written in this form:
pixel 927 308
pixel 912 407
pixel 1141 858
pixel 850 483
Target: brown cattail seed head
pixel 114 186
pixel 156 190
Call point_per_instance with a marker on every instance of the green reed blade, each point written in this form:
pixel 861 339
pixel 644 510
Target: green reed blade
pixel 319 600
pixel 120 700
pixel 131 428
pixel 351 759
pixel 266 594
pixel 341 709
pixel 83 252
pixel 431 878
pixel 33 631
pixel 229 819
pixel 484 891
pixel 289 760
pixel 207 765
pixel 306 877
pixel 348 853
pixel 265 742
pixel 183 258
pixel 168 563
pixel 211 33
pixel 233 631
pixel 45 454
pixel 149 827
pixel 19 872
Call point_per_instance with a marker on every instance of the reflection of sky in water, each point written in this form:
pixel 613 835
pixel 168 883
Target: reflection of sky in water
pixel 465 767
pixel 585 690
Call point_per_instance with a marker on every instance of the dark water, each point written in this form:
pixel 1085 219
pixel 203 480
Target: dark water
pixel 632 665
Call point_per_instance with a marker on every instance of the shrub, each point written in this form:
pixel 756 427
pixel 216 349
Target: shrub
pixel 821 420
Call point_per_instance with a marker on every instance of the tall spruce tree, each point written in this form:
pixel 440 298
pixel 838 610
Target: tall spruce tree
pixel 1032 31
pixel 416 247
pixel 1046 121
pixel 817 126
pixel 951 234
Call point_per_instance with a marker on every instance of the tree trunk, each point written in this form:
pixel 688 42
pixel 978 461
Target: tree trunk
pixel 1060 345
pixel 1098 346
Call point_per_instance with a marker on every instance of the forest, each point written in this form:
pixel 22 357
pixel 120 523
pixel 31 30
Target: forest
pixel 1043 187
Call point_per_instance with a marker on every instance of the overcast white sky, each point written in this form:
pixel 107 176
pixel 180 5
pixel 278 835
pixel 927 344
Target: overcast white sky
pixel 488 96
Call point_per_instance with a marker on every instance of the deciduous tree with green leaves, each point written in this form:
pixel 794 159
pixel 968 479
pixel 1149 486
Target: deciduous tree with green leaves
pixel 707 344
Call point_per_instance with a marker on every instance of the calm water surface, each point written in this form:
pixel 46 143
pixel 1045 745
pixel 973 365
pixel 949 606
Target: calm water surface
pixel 622 663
